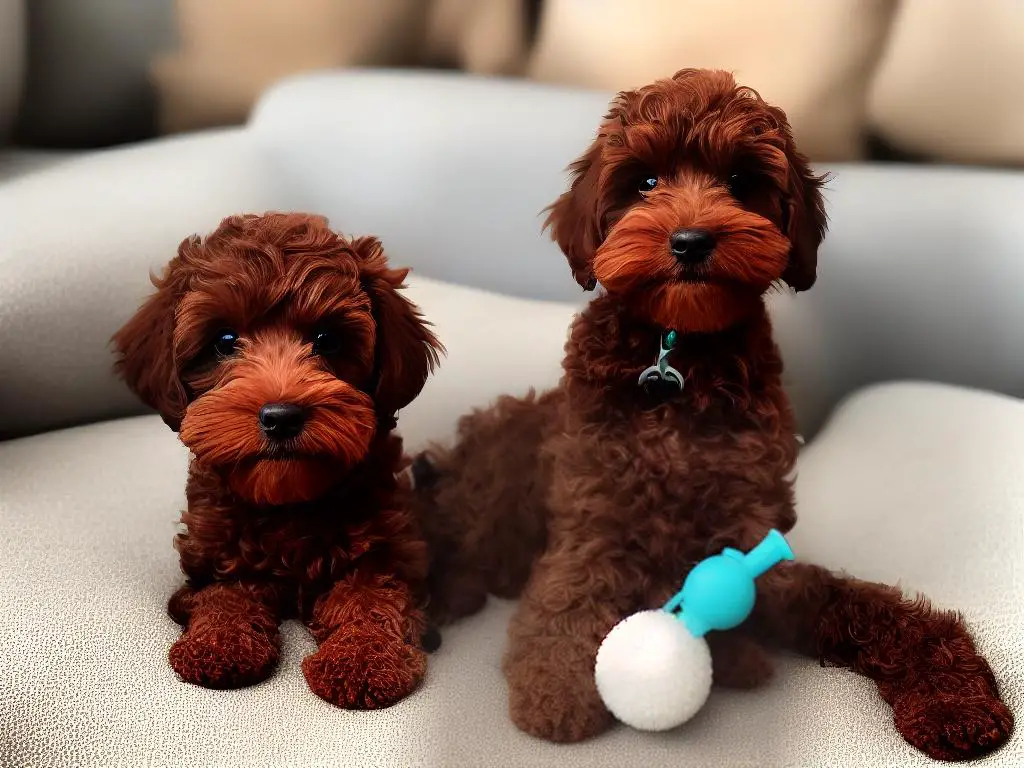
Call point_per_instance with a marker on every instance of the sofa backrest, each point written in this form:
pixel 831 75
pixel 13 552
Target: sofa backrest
pixel 920 276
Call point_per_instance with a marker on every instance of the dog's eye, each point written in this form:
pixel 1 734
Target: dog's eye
pixel 647 184
pixel 739 185
pixel 326 342
pixel 225 343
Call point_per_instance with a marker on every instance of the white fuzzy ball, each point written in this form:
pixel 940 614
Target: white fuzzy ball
pixel 652 674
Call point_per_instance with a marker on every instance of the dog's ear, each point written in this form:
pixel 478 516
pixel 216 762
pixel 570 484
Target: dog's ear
pixel 406 349
pixel 575 217
pixel 804 220
pixel 145 353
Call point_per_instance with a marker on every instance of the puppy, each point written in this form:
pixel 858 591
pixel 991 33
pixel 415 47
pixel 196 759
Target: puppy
pixel 280 352
pixel 670 436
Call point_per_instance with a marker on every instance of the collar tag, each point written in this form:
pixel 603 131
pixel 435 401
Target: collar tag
pixel 661 371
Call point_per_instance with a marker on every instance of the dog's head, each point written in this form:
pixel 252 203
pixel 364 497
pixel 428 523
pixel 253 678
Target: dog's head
pixel 276 349
pixel 691 203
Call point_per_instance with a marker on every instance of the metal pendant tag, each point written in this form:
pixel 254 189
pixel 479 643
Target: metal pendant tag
pixel 661 374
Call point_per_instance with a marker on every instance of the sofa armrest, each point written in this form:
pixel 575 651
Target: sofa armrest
pixel 919 278
pixel 452 171
pixel 77 243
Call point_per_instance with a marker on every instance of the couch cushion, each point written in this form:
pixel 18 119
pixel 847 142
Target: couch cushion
pixel 950 83
pixel 16 161
pixel 441 169
pixel 228 54
pixel 77 244
pixel 818 70
pixel 916 483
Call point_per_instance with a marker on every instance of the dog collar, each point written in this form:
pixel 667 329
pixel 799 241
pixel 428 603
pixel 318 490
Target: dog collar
pixel 661 371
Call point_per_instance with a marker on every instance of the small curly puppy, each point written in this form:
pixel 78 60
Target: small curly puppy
pixel 670 436
pixel 280 353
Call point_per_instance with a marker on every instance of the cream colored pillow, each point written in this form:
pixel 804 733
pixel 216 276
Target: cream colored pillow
pixel 232 50
pixel 951 82
pixel 485 37
pixel 811 57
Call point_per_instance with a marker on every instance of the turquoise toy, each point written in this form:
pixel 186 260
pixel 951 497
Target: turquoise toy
pixel 653 670
pixel 719 592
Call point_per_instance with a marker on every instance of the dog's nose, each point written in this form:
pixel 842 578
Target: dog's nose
pixel 280 421
pixel 692 246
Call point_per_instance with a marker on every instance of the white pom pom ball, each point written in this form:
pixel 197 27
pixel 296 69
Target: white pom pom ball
pixel 653 674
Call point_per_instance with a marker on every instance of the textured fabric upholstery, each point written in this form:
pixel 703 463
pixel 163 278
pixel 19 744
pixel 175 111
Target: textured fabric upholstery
pixel 915 483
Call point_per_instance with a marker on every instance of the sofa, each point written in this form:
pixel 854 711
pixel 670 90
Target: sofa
pixel 905 364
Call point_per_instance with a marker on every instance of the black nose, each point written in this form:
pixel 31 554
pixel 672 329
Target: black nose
pixel 692 246
pixel 280 421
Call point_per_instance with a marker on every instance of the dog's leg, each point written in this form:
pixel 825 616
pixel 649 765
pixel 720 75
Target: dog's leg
pixel 571 602
pixel 738 661
pixel 369 631
pixel 481 504
pixel 944 696
pixel 230 638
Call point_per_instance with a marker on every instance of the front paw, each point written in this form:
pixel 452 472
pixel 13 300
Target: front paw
pixel 552 693
pixel 224 656
pixel 364 670
pixel 951 726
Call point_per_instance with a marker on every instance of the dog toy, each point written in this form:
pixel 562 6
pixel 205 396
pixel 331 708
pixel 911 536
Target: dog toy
pixel 653 669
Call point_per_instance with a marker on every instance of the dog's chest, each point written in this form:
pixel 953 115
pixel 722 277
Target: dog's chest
pixel 672 478
pixel 299 548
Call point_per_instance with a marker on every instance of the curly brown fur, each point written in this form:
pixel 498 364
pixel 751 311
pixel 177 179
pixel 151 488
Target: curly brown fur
pixel 312 522
pixel 605 494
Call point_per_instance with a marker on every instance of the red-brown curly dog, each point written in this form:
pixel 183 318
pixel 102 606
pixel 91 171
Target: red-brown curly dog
pixel 592 500
pixel 280 352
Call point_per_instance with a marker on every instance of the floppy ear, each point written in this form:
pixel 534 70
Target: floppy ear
pixel 575 217
pixel 145 356
pixel 406 349
pixel 804 220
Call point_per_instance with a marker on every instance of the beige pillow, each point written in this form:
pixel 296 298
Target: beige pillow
pixel 481 36
pixel 951 82
pixel 811 57
pixel 232 50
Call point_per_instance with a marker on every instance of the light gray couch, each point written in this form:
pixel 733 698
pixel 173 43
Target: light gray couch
pixel 904 363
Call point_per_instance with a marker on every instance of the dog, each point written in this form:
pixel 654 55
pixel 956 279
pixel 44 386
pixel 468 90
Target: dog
pixel 670 436
pixel 280 352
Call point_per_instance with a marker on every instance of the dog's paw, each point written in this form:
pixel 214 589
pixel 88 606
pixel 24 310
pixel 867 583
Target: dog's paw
pixel 553 696
pixel 953 727
pixel 357 670
pixel 224 656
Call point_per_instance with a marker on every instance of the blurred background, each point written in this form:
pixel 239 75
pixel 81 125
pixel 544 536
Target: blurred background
pixel 898 80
